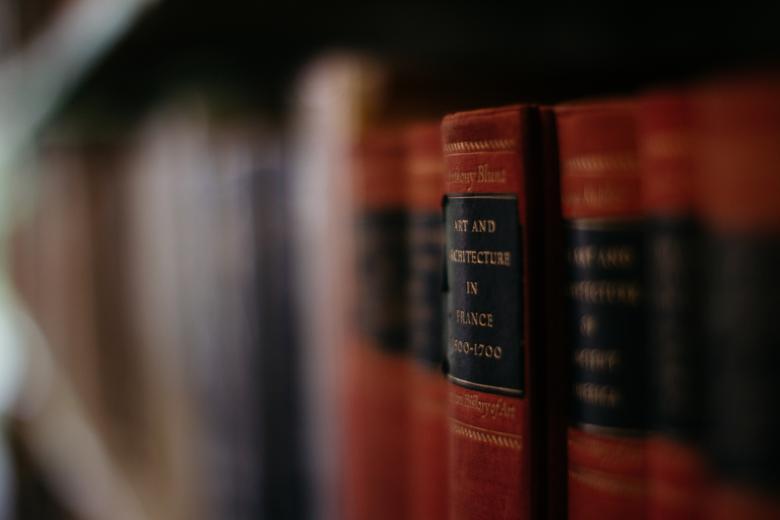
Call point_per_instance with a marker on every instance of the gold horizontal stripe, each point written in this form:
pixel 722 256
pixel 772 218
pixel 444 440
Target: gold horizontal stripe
pixel 611 430
pixel 603 224
pixel 624 162
pixel 485 145
pixel 481 196
pixel 606 452
pixel 614 484
pixel 480 386
pixel 485 436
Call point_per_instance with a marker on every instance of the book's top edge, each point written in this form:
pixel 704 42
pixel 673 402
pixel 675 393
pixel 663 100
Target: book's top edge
pixel 486 112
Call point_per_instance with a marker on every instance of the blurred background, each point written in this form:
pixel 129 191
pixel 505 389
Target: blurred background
pixel 175 290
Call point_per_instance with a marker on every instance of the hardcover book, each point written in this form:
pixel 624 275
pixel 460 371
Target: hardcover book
pixel 738 200
pixel 491 213
pixel 376 450
pixel 600 201
pixel 676 470
pixel 333 99
pixel 428 399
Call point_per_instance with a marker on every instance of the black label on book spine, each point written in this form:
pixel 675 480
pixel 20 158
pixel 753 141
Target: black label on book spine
pixel 426 309
pixel 383 277
pixel 483 283
pixel 673 337
pixel 607 324
pixel 742 327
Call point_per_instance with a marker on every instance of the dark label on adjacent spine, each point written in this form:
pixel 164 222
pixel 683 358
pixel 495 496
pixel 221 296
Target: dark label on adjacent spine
pixel 606 319
pixel 426 316
pixel 383 273
pixel 484 268
pixel 742 327
pixel 673 339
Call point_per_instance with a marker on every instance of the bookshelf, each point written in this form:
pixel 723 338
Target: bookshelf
pixel 169 87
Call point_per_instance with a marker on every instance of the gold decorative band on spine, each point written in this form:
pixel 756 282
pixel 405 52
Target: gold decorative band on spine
pixel 490 388
pixel 614 484
pixel 603 224
pixel 597 164
pixel 484 436
pixel 612 430
pixel 608 452
pixel 485 145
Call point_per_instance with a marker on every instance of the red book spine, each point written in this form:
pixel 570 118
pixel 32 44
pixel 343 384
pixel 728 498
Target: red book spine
pixel 737 189
pixel 601 206
pixel 428 399
pixel 489 216
pixel 676 471
pixel 376 450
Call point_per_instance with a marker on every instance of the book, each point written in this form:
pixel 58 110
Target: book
pixel 428 399
pixel 737 121
pixel 491 209
pixel 334 96
pixel 676 471
pixel 600 202
pixel 376 439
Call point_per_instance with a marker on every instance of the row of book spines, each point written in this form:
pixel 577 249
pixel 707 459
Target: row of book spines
pixel 694 164
pixel 487 132
pixel 664 191
pixel 396 389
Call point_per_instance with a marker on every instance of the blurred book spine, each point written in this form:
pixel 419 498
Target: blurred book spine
pixel 600 200
pixel 737 185
pixel 428 399
pixel 377 437
pixel 676 471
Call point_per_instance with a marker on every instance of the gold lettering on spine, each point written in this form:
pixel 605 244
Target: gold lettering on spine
pixel 603 291
pixel 598 197
pixel 588 325
pixel 474 319
pixel 470 256
pixel 498 409
pixel 482 175
pixel 597 360
pixel 476 349
pixel 598 395
pixel 483 226
pixel 615 257
pixel 476 226
pixel 479 350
